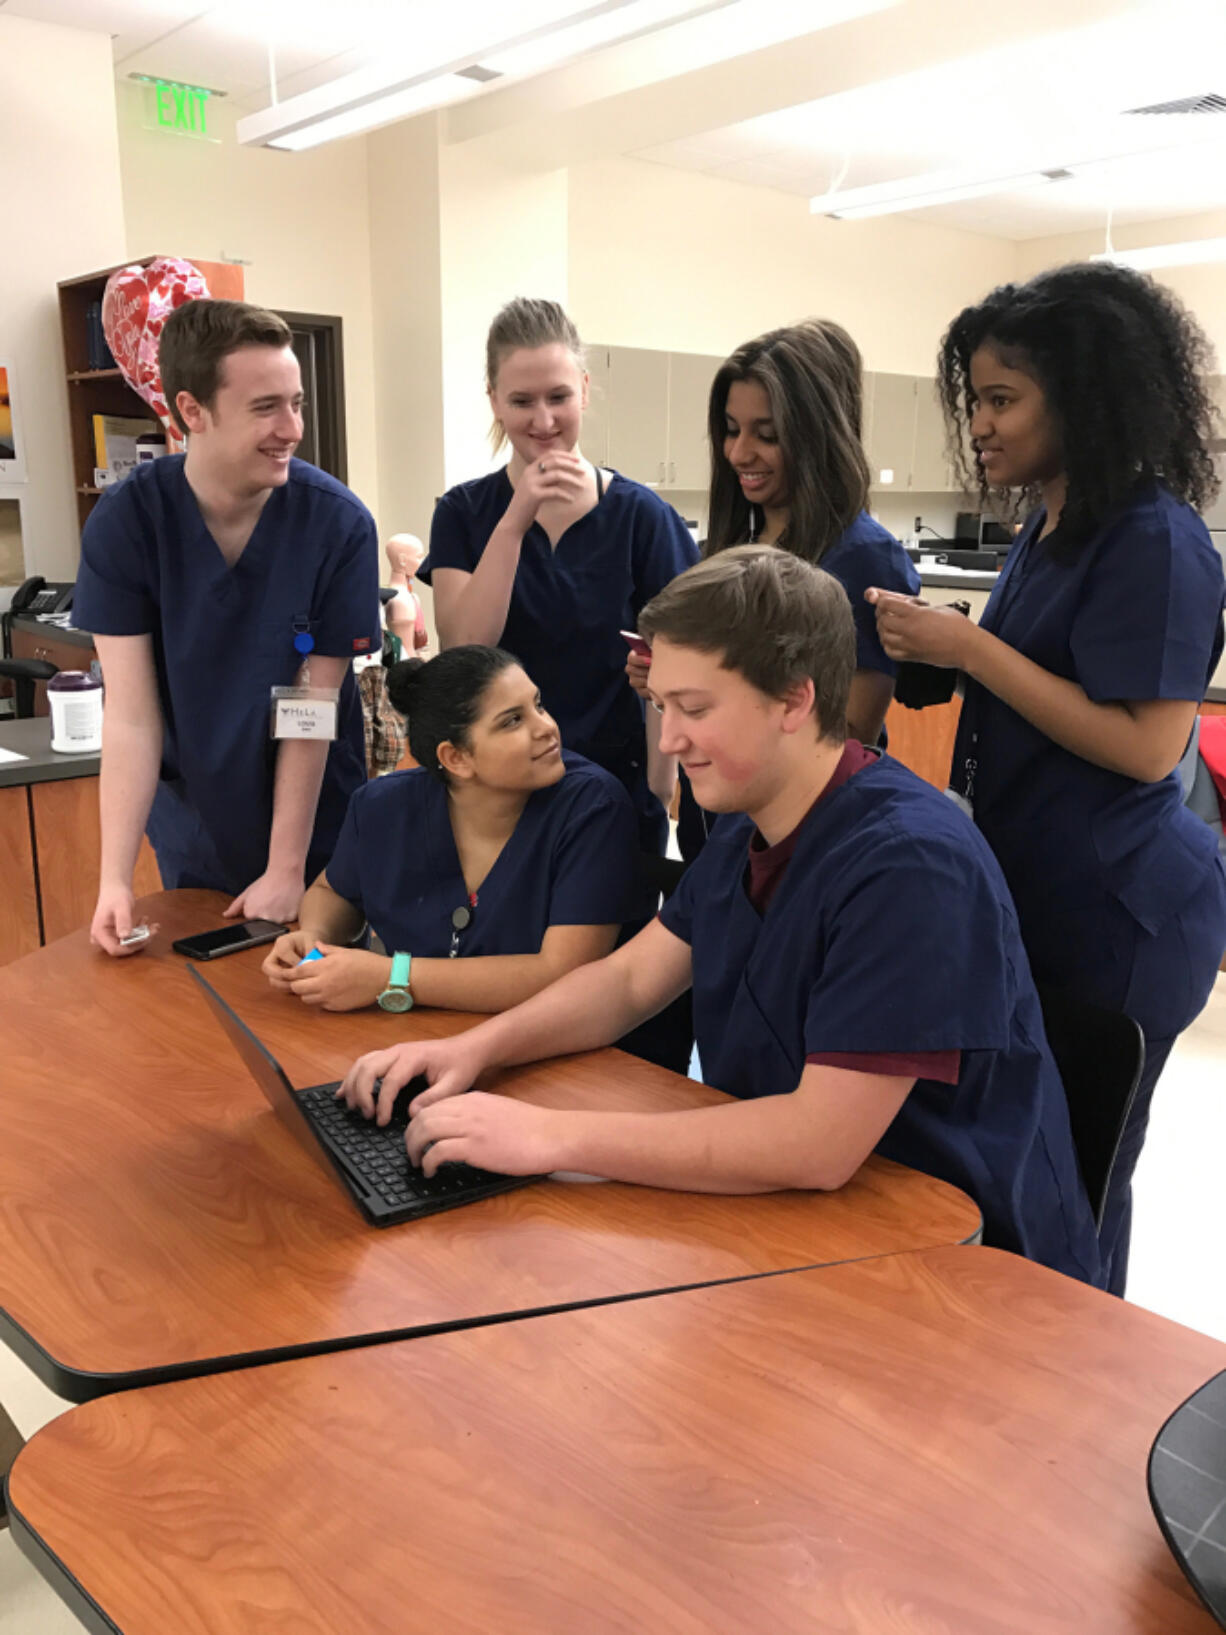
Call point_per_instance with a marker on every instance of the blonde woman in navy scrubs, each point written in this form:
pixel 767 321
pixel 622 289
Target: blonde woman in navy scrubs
pixel 551 556
pixel 500 862
pixel 1085 390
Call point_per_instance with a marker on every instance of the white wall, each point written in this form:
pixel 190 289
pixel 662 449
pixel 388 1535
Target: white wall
pixel 1203 289
pixel 691 263
pixel 502 233
pixel 301 219
pixel 62 215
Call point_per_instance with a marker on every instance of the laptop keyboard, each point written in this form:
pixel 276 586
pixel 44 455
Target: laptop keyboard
pixel 378 1154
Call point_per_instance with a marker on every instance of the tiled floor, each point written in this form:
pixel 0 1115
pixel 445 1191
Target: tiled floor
pixel 1178 1255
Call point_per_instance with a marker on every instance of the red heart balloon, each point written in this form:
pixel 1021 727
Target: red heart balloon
pixel 135 305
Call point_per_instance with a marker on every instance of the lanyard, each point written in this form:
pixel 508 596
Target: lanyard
pixel 304 645
pixel 1012 577
pixel 461 919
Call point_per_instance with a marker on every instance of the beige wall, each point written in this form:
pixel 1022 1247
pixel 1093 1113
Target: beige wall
pixel 1202 288
pixel 62 215
pixel 502 233
pixel 406 288
pixel 301 219
pixel 691 263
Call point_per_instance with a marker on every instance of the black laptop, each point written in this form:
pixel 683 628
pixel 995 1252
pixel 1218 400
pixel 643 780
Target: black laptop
pixel 372 1163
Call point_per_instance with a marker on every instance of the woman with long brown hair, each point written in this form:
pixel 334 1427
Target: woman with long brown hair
pixel 788 468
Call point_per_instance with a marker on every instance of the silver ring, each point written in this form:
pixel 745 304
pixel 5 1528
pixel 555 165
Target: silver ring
pixel 542 465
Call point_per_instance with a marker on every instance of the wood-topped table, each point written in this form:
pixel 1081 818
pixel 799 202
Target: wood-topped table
pixel 158 1220
pixel 944 1443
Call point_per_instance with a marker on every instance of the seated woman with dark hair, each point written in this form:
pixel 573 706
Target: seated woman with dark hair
pixel 497 865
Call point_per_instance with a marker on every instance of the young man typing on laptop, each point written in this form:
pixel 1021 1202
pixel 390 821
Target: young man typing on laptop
pixel 859 981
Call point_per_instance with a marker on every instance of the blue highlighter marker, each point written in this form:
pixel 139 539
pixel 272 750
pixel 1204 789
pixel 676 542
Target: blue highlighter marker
pixel 314 954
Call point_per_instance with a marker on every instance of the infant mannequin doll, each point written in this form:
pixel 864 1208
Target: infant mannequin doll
pixel 405 553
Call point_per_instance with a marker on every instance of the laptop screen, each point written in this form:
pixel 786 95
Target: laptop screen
pixel 263 1066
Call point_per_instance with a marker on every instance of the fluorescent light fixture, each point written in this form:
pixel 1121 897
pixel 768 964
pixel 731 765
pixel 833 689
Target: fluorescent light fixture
pixel 917 192
pixel 575 39
pixel 410 81
pixel 435 93
pixel 947 186
pixel 1189 253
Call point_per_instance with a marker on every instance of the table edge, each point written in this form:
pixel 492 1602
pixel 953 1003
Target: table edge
pixel 79 1385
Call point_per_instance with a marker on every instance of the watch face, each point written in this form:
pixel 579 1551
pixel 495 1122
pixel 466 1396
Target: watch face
pixel 396 999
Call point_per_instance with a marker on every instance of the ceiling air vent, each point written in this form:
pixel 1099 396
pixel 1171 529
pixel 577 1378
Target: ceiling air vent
pixel 484 75
pixel 1209 103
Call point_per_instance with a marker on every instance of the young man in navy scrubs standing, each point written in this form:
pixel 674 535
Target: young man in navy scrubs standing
pixel 858 976
pixel 209 579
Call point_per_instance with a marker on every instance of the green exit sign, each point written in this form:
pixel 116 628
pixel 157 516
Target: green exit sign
pixel 173 106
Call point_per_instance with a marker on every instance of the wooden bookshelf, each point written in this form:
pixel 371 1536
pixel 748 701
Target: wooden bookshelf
pixel 104 391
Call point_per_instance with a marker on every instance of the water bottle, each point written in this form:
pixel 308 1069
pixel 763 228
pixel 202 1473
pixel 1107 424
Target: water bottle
pixel 75 698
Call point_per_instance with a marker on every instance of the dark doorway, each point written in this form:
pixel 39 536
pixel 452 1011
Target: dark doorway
pixel 319 347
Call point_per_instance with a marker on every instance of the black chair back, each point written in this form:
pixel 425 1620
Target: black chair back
pixel 23 673
pixel 1100 1054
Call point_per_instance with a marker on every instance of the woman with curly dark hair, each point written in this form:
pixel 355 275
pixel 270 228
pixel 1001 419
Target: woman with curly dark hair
pixel 1083 393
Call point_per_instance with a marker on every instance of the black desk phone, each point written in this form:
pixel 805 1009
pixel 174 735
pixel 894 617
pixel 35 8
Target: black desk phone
pixel 37 596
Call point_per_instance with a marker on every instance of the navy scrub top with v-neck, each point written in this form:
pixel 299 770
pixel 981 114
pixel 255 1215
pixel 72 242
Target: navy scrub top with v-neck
pixel 571 860
pixel 222 638
pixel 1099 863
pixel 568 603
pixel 892 932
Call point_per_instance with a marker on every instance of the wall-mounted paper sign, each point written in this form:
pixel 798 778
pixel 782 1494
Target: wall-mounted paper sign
pixel 12 448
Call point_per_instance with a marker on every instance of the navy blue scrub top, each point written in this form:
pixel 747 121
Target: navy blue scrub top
pixel 867 554
pixel 864 554
pixel 568 603
pixel 571 860
pixel 892 932
pixel 1095 860
pixel 222 638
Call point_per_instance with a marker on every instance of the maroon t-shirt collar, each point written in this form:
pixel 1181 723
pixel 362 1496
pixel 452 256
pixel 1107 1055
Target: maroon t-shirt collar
pixel 767 864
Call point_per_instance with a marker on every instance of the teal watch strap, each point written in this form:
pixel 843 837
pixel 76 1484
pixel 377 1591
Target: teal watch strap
pixel 397 996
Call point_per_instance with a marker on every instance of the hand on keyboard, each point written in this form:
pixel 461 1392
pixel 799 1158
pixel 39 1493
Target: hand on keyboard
pixel 449 1065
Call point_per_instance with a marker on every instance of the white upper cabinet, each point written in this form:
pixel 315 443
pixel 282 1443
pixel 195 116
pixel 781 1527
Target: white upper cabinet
pixel 647 418
pixel 905 435
pixel 647 415
pixel 638 413
pixel 931 472
pixel 891 437
pixel 689 390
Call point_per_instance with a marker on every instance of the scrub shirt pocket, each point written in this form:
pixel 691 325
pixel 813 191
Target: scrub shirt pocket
pixel 752 1058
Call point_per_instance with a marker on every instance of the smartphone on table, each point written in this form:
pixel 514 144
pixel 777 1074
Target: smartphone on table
pixel 230 939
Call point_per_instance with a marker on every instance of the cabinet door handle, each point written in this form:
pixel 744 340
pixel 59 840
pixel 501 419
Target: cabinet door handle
pixel 661 470
pixel 672 471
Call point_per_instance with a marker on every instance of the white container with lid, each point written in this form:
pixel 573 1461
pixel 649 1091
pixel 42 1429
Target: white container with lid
pixel 75 698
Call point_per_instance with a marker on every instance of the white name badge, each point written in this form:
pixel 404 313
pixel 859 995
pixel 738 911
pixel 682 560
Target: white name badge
pixel 305 712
